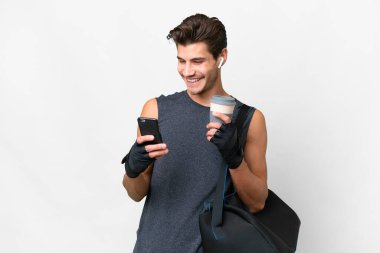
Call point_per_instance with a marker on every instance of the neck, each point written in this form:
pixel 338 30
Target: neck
pixel 205 97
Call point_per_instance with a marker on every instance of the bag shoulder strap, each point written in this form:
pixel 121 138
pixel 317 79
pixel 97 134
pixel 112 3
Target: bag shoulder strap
pixel 241 117
pixel 217 212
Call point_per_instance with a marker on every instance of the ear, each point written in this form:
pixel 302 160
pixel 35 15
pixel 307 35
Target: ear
pixel 222 57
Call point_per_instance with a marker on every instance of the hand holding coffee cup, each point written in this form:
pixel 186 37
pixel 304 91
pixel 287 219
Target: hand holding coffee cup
pixel 222 132
pixel 221 111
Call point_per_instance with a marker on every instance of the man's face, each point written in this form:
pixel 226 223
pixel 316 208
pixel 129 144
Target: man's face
pixel 197 67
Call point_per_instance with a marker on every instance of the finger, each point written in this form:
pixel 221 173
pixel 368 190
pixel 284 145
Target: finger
pixel 155 147
pixel 213 125
pixel 158 154
pixel 211 133
pixel 144 138
pixel 222 116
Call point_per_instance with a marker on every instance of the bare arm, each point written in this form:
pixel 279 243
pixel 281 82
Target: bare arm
pixel 250 178
pixel 138 187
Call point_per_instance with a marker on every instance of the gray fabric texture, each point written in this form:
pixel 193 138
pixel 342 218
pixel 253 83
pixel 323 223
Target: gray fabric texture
pixel 183 180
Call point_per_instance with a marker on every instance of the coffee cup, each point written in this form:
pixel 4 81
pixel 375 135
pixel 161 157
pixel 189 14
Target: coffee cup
pixel 222 104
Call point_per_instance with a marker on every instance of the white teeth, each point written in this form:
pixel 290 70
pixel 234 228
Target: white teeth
pixel 193 80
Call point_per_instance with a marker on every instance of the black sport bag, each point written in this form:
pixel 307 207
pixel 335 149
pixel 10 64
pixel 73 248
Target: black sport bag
pixel 227 226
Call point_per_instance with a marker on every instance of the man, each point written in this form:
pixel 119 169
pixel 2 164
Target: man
pixel 178 176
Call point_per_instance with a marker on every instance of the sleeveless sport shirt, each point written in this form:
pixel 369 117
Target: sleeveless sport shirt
pixel 183 180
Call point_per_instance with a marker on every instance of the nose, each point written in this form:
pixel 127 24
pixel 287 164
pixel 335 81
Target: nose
pixel 188 70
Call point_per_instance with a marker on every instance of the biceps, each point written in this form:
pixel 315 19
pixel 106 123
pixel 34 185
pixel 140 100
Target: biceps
pixel 255 154
pixel 256 146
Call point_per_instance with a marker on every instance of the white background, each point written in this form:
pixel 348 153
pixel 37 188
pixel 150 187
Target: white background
pixel 74 76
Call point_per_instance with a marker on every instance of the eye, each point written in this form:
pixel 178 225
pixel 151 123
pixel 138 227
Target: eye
pixel 198 61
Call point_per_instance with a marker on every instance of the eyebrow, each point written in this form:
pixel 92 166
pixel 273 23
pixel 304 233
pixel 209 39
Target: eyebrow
pixel 193 59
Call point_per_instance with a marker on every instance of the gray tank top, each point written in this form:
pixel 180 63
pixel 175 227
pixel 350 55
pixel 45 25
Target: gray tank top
pixel 183 180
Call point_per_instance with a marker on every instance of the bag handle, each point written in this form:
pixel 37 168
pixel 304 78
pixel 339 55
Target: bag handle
pixel 217 206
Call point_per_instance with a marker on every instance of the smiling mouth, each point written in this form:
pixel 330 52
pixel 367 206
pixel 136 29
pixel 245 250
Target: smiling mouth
pixel 192 80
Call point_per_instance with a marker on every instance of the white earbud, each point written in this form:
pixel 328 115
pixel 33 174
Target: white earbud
pixel 220 63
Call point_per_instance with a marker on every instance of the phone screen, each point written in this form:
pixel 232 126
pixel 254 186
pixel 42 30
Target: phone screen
pixel 149 126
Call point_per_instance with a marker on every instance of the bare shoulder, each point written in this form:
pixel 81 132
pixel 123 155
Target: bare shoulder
pixel 150 109
pixel 257 131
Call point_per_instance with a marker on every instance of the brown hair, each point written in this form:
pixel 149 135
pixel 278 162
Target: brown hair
pixel 200 28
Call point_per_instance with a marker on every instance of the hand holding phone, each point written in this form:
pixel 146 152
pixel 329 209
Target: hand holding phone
pixel 141 155
pixel 149 126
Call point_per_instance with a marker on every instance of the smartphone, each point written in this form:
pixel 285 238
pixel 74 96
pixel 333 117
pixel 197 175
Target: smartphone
pixel 149 126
